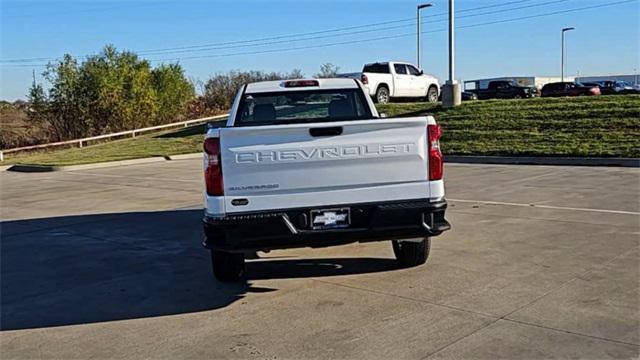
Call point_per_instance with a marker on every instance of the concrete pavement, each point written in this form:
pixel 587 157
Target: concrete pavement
pixel 542 262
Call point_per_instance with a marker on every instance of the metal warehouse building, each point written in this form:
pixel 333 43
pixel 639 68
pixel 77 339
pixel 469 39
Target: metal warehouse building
pixel 537 81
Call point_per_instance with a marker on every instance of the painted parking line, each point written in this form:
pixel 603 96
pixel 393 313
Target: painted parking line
pixel 547 207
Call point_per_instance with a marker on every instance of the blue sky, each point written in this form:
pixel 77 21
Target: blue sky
pixel 606 40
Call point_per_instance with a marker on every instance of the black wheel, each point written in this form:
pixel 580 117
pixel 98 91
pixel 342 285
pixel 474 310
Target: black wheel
pixel 382 95
pixel 432 94
pixel 227 267
pixel 411 253
pixel 517 96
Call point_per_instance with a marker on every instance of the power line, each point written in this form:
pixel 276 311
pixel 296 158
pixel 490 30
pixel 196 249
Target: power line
pixel 546 14
pixel 330 30
pixel 379 38
pixel 202 48
pixel 399 35
pixel 342 29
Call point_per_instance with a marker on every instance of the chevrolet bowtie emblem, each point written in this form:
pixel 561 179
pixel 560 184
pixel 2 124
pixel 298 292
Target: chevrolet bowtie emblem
pixel 329 218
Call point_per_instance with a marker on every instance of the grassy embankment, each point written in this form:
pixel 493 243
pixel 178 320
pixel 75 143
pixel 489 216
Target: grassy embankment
pixel 605 126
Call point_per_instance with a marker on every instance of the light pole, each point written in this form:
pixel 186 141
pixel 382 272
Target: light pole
pixel 451 95
pixel 419 32
pixel 564 30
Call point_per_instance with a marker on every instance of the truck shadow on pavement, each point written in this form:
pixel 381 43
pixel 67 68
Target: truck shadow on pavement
pixel 105 267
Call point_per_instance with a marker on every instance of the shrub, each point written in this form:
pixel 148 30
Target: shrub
pixel 108 92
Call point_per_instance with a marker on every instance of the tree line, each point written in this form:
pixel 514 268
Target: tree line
pixel 117 90
pixel 220 89
pixel 108 92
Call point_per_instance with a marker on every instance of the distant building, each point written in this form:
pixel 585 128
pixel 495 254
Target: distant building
pixel 630 79
pixel 537 81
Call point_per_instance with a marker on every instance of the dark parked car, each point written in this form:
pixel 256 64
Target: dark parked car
pixel 591 84
pixel 613 87
pixel 464 96
pixel 505 90
pixel 468 95
pixel 569 89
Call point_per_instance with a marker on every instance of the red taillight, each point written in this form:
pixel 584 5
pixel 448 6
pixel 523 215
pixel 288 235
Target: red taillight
pixel 213 170
pixel 364 79
pixel 436 161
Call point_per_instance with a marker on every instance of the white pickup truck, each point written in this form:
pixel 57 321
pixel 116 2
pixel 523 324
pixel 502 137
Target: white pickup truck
pixel 386 80
pixel 310 163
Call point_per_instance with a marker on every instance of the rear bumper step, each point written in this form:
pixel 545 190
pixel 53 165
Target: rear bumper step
pixel 291 228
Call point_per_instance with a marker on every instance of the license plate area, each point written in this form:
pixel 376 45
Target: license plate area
pixel 330 218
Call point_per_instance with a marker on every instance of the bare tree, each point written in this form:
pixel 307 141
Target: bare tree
pixel 327 70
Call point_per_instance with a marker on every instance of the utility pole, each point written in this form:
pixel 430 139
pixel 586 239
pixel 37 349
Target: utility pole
pixel 419 32
pixel 451 95
pixel 452 53
pixel 564 30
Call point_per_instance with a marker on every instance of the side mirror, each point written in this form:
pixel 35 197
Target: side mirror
pixel 383 115
pixel 420 72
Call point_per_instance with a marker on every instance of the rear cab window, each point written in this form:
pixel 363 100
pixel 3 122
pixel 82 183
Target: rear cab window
pixel 304 106
pixel 377 68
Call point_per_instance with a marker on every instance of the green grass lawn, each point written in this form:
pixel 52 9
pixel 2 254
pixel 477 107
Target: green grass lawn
pixel 604 126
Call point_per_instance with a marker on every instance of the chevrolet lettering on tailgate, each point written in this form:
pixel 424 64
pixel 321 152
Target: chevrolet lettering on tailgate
pixel 336 152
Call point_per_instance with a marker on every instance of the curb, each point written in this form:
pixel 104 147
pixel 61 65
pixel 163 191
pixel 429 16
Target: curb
pixel 48 168
pixel 540 160
pixel 185 156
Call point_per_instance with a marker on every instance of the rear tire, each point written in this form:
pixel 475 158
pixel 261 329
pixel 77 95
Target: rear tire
pixel 227 267
pixel 382 95
pixel 411 253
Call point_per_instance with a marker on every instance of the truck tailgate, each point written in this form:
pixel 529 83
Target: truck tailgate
pixel 314 165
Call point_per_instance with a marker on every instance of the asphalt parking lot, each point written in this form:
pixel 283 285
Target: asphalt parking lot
pixel 542 262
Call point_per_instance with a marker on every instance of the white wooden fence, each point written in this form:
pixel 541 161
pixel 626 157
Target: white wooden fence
pixel 133 133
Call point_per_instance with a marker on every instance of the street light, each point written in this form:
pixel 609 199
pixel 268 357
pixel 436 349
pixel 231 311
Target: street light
pixel 420 7
pixel 564 30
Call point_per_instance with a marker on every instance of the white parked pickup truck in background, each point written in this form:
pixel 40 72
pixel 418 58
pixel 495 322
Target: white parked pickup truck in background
pixel 386 80
pixel 310 163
